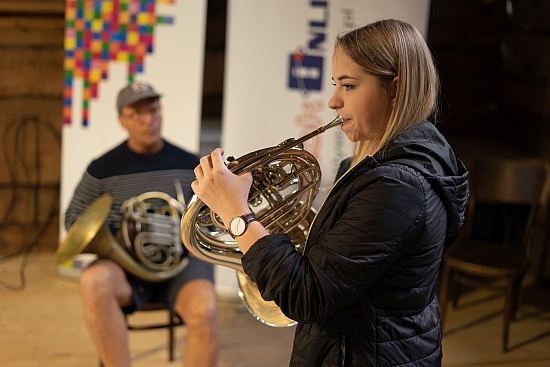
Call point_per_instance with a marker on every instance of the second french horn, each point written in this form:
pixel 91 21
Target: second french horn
pixel 286 179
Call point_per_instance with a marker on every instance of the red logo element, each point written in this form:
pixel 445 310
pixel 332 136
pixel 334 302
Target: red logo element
pixel 298 56
pixel 309 121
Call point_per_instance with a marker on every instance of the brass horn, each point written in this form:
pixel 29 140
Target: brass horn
pixel 90 234
pixel 286 179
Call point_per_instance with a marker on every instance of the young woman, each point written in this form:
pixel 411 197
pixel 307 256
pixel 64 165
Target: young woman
pixel 364 291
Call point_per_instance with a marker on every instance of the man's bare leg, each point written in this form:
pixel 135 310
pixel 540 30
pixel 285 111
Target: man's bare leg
pixel 196 303
pixel 104 289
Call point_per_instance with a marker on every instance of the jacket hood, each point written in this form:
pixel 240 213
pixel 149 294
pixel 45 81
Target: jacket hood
pixel 423 148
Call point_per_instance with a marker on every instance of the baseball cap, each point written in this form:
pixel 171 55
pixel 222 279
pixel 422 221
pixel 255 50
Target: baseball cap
pixel 134 92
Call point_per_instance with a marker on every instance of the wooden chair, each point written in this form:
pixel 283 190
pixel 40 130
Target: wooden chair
pixel 508 193
pixel 173 321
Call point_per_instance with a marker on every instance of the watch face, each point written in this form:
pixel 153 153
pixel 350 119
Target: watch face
pixel 237 226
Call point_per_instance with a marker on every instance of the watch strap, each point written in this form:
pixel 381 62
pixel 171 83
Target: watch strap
pixel 247 218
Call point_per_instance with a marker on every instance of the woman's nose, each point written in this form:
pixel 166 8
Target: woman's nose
pixel 334 102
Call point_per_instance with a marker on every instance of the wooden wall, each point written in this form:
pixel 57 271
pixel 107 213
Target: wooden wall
pixel 31 87
pixel 31 68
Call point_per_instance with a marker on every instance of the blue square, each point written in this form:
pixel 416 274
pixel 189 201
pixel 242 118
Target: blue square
pixel 305 72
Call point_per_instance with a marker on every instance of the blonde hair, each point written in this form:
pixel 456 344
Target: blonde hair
pixel 388 49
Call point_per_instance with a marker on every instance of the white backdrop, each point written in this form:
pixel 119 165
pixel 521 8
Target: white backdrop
pixel 175 68
pixel 278 82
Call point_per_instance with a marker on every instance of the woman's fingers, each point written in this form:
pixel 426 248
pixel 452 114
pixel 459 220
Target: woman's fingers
pixel 198 172
pixel 219 188
pixel 209 168
pixel 216 159
pixel 212 161
pixel 206 163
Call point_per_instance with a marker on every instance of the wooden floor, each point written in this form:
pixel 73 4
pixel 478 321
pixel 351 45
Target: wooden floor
pixel 42 326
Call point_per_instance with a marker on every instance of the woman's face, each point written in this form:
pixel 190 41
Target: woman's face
pixel 358 98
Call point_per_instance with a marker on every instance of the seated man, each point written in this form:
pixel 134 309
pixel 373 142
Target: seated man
pixel 143 163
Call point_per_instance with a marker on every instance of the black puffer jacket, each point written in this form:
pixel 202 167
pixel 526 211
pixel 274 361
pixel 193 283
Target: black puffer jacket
pixel 364 293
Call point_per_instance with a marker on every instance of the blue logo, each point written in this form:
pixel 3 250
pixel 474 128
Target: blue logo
pixel 305 72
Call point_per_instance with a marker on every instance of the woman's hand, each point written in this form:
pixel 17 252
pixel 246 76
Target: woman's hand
pixel 220 189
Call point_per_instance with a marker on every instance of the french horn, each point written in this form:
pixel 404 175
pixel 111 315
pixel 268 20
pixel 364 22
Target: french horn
pixel 150 247
pixel 286 179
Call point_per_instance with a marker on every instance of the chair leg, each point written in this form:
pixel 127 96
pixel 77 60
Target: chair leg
pixel 456 288
pixel 510 309
pixel 516 296
pixel 171 326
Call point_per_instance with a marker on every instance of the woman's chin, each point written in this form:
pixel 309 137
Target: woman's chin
pixel 351 138
pixel 349 134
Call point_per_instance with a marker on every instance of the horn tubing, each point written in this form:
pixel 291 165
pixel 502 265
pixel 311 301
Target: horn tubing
pixel 288 144
pixel 90 234
pixel 291 215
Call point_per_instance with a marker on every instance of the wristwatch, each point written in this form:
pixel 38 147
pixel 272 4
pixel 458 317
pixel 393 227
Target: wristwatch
pixel 238 225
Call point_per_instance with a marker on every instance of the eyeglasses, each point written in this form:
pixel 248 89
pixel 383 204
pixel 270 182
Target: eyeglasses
pixel 138 115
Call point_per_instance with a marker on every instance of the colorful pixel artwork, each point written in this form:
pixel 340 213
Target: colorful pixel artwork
pixel 100 31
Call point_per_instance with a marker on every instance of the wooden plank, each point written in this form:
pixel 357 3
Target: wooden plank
pixel 19 134
pixel 31 154
pixel 29 216
pixel 32 24
pixel 32 7
pixel 46 108
pixel 33 32
pixel 27 71
pixel 18 39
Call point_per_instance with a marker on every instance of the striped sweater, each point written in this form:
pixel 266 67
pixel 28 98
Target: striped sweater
pixel 125 174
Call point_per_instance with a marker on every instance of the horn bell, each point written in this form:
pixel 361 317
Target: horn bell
pixel 90 234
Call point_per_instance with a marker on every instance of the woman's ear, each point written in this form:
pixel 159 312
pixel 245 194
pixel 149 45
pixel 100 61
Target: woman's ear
pixel 393 90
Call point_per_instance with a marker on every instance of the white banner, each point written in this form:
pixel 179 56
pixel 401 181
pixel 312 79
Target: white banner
pixel 278 71
pixel 278 65
pixel 166 38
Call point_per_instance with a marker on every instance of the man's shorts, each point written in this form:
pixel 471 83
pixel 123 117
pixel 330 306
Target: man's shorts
pixel 166 291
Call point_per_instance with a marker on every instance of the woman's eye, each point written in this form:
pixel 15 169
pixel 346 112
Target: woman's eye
pixel 345 86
